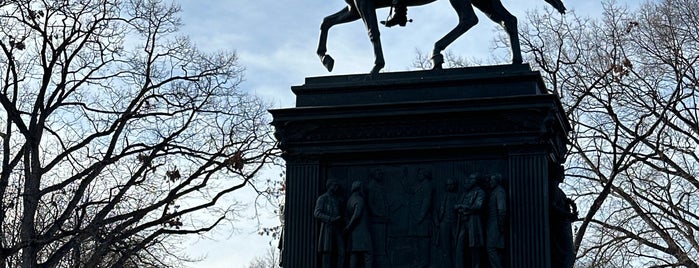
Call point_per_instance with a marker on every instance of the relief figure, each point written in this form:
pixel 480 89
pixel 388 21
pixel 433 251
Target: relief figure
pixel 421 218
pixel 378 210
pixel 470 237
pixel 357 229
pixel 445 221
pixel 562 213
pixel 495 221
pixel 328 211
pixel 421 204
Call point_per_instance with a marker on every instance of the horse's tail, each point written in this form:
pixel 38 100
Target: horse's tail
pixel 558 5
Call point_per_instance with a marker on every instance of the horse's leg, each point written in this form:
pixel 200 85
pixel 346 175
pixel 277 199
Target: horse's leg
pixel 342 16
pixel 367 11
pixel 497 12
pixel 467 19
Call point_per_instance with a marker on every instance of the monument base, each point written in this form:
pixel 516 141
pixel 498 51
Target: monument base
pixel 407 135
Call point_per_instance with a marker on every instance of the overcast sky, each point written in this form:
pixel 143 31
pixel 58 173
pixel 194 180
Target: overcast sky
pixel 276 42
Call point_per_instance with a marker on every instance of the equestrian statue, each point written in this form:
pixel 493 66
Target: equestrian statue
pixel 366 10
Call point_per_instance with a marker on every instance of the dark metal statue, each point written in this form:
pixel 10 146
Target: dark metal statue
pixel 470 238
pixel 420 208
pixel 357 228
pixel 495 221
pixel 421 204
pixel 399 15
pixel 328 211
pixel 563 212
pixel 376 191
pixel 378 210
pixel 445 220
pixel 366 10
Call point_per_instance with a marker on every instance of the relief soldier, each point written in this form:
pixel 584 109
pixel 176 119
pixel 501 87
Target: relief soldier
pixel 470 237
pixel 357 228
pixel 420 217
pixel 421 204
pixel 328 211
pixel 376 195
pixel 495 221
pixel 445 220
pixel 562 213
pixel 378 210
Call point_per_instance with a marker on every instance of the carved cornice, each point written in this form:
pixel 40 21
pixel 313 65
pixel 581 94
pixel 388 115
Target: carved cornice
pixel 480 106
pixel 466 123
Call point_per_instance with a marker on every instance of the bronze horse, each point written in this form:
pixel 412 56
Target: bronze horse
pixel 366 10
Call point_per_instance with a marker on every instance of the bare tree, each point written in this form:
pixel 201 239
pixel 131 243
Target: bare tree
pixel 118 135
pixel 629 85
pixel 270 259
pixel 272 196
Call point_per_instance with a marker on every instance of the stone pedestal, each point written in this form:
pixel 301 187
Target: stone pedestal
pixel 450 124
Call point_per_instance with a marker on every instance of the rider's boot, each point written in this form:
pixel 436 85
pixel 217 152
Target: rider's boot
pixel 399 16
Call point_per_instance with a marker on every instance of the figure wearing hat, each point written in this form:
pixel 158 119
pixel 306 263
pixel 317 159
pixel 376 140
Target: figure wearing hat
pixel 328 211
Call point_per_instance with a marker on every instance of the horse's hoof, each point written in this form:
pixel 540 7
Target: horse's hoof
pixel 377 68
pixel 328 62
